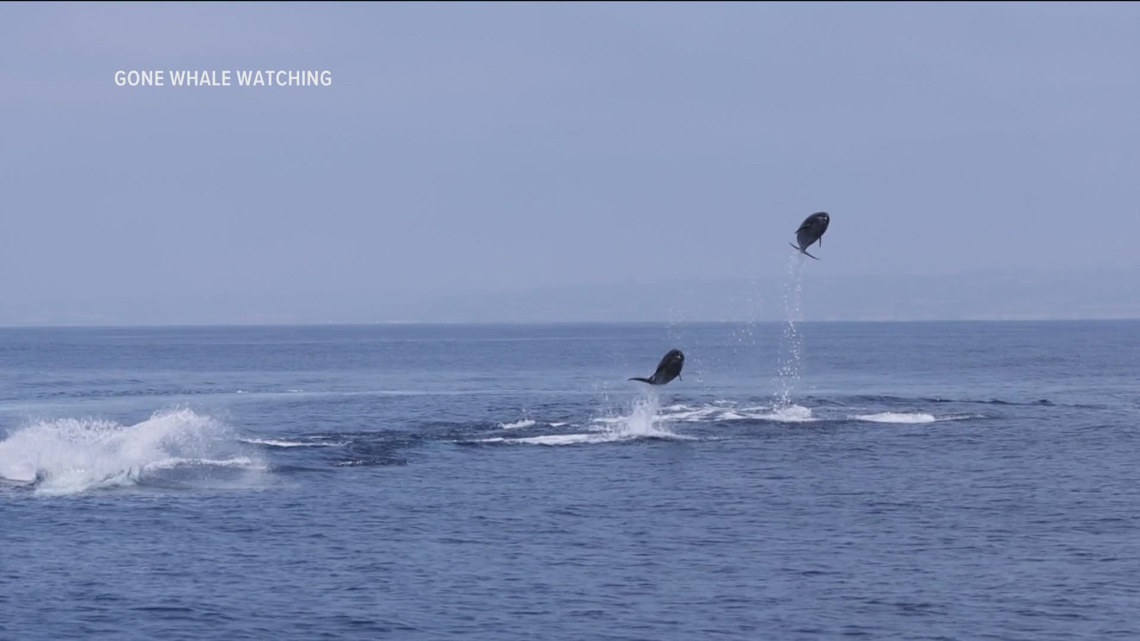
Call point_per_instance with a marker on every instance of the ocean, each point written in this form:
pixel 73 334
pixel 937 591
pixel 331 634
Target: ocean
pixel 801 480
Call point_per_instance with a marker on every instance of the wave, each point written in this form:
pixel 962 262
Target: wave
pixel 73 456
pixel 725 411
pixel 270 442
pixel 897 417
pixel 719 411
pixel 180 448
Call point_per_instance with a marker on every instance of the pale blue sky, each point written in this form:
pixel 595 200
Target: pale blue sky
pixel 467 152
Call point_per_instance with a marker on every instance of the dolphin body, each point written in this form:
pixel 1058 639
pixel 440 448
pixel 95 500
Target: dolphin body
pixel 811 231
pixel 668 369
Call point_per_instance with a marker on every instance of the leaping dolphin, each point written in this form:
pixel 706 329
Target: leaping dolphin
pixel 668 369
pixel 810 231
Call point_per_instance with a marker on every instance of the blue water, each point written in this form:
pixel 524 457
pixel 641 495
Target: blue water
pixel 800 481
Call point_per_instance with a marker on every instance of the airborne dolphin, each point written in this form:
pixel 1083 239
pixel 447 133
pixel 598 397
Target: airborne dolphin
pixel 668 369
pixel 811 230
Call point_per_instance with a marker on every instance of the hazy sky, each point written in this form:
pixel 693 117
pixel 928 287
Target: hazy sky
pixel 480 147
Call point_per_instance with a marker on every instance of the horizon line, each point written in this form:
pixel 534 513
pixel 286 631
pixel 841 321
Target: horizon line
pixel 507 323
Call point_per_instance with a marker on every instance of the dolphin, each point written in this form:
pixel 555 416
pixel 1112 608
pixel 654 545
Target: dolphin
pixel 810 231
pixel 668 369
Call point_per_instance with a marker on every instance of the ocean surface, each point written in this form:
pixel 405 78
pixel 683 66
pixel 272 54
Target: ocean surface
pixel 957 480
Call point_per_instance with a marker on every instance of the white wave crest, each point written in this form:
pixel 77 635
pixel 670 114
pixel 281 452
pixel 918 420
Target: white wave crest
pixel 526 422
pixel 71 456
pixel 562 439
pixel 270 442
pixel 727 411
pixel 898 417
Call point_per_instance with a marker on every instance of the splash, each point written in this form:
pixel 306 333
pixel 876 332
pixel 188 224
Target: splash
pixel 791 343
pixel 644 421
pixel 790 413
pixel 71 456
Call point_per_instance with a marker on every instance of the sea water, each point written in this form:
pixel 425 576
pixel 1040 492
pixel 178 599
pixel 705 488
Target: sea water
pixel 938 480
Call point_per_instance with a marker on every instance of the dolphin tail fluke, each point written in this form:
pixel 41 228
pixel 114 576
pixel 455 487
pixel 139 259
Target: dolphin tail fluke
pixel 802 251
pixel 643 380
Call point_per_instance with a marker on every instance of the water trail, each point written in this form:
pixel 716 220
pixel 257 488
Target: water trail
pixel 745 337
pixel 790 342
